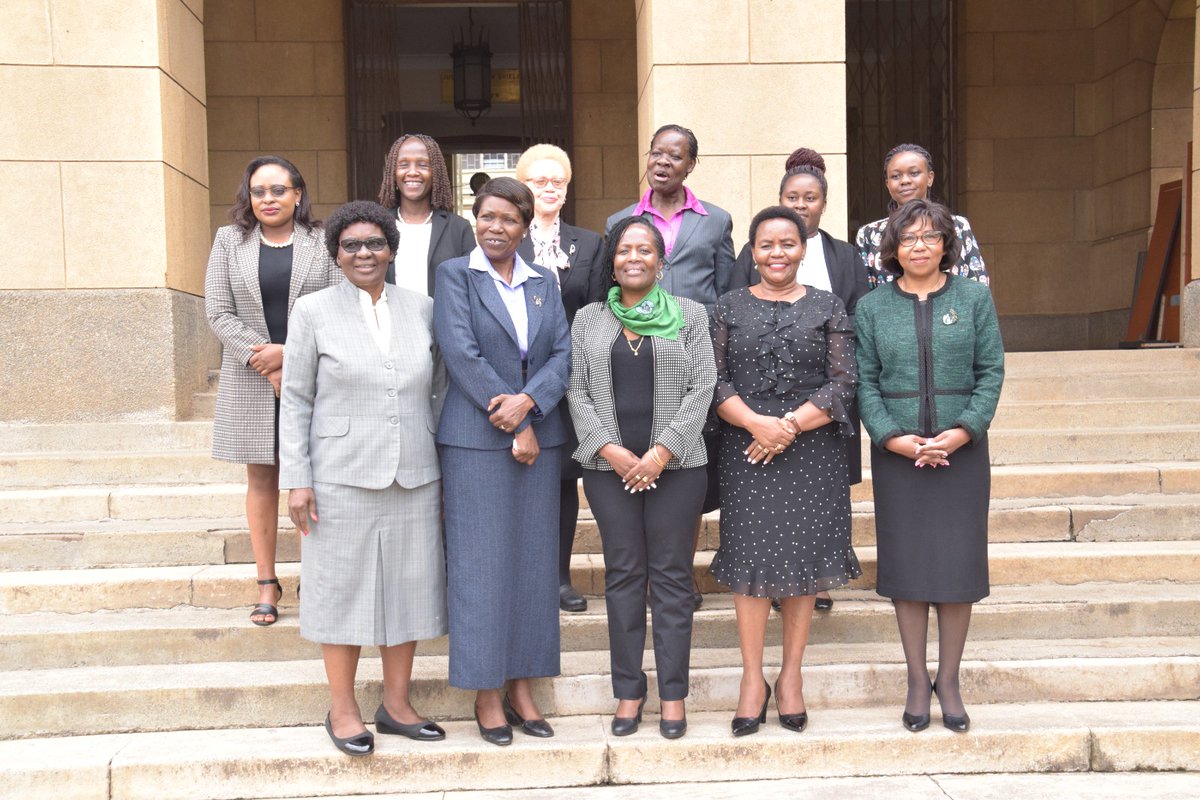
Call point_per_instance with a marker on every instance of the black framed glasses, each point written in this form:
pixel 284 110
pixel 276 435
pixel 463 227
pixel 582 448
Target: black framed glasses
pixel 927 237
pixel 375 244
pixel 277 191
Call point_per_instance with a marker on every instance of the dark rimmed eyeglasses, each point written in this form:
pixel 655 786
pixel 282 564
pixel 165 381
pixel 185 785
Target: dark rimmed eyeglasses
pixel 375 244
pixel 277 191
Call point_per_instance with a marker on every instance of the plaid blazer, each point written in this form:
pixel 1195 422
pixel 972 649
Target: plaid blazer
pixel 685 373
pixel 244 424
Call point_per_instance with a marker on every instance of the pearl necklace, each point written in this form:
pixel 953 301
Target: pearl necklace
pixel 268 243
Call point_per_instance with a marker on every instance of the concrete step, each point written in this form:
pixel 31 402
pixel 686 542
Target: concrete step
pixel 94 700
pixel 1146 386
pixel 106 436
pixel 1088 363
pixel 43 638
pixel 1096 414
pixel 105 468
pixel 204 405
pixel 290 762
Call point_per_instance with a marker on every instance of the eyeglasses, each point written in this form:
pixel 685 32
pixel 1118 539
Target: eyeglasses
pixel 541 182
pixel 375 244
pixel 928 237
pixel 277 191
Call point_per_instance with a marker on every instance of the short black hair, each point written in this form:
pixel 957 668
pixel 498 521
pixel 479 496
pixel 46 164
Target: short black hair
pixel 509 189
pixel 805 169
pixel 618 230
pixel 360 211
pixel 242 213
pixel 693 144
pixel 909 214
pixel 777 212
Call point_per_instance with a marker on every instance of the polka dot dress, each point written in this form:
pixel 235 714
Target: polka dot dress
pixel 785 526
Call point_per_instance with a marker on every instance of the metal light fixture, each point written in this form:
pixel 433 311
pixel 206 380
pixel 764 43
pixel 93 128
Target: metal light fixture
pixel 472 72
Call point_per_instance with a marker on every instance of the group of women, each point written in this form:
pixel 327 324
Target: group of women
pixel 446 388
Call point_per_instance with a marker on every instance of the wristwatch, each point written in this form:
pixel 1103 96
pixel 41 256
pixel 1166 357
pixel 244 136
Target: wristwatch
pixel 791 417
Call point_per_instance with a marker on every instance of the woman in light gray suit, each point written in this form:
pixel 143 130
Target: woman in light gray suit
pixel 270 255
pixel 362 388
pixel 502 329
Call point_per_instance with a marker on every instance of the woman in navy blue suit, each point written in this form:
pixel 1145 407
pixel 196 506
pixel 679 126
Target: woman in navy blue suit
pixel 500 324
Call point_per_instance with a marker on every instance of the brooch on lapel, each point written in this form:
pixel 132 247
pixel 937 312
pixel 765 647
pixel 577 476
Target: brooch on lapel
pixel 571 252
pixel 950 317
pixel 537 300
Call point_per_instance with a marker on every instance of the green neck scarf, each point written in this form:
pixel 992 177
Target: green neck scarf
pixel 656 314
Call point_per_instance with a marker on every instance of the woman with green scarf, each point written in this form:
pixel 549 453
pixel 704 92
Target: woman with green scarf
pixel 642 377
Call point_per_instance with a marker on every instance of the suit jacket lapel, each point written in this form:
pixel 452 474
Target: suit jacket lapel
pixel 569 241
pixel 691 221
pixel 304 254
pixel 489 295
pixel 838 274
pixel 535 303
pixel 435 234
pixel 246 256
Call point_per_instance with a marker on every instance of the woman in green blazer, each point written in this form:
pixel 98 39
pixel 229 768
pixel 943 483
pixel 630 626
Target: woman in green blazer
pixel 931 364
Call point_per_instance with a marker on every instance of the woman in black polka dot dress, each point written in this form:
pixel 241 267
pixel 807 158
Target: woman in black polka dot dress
pixel 786 378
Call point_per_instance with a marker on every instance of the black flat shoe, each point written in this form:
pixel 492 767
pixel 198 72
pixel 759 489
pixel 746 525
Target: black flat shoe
pixel 672 728
pixel 571 600
pixel 775 604
pixel 362 744
pixel 623 726
pixel 267 609
pixel 501 735
pixel 823 603
pixel 954 722
pixel 697 601
pixel 534 727
pixel 793 722
pixel 917 722
pixel 425 731
pixel 744 726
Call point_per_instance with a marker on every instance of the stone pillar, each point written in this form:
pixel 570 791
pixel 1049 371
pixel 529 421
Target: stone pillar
pixel 754 79
pixel 103 208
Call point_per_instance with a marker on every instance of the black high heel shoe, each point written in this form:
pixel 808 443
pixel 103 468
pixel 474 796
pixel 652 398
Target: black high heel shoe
pixel 623 726
pixel 917 722
pixel 955 722
pixel 793 722
pixel 362 744
pixel 744 726
pixel 673 728
pixel 534 727
pixel 424 731
pixel 502 735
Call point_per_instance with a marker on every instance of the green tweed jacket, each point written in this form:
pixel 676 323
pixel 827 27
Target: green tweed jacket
pixel 926 367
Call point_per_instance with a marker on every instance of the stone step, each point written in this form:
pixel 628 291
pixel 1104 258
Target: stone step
pixel 188 634
pixel 204 405
pixel 1146 386
pixel 100 468
pixel 1090 362
pixel 300 761
pixel 1051 416
pixel 105 436
pixel 94 700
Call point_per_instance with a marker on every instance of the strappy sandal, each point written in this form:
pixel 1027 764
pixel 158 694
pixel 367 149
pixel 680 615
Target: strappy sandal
pixel 267 609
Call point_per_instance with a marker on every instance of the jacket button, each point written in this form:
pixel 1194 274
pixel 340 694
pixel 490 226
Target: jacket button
pixel 387 365
pixel 394 420
pixel 391 392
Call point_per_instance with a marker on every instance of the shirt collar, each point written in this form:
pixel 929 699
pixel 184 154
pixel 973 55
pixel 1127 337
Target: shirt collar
pixel 521 271
pixel 690 202
pixel 364 297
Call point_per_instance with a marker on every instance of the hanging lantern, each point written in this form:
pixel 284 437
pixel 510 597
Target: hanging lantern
pixel 472 72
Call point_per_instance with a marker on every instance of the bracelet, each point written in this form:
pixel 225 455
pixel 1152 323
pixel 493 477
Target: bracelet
pixel 654 455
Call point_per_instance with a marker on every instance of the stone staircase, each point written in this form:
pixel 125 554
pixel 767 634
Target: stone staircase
pixel 129 668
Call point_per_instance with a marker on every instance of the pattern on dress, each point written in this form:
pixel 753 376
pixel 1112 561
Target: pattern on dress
pixel 970 260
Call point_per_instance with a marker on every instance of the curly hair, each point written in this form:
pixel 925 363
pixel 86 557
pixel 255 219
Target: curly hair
pixel 805 169
pixel 242 212
pixel 777 212
pixel 509 189
pixel 360 211
pixel 441 196
pixel 693 144
pixel 912 213
pixel 805 156
pixel 614 239
pixel 540 152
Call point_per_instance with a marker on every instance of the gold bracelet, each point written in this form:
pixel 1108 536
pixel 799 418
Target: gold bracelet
pixel 654 455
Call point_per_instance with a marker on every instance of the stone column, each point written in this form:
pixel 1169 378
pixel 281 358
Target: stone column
pixel 754 79
pixel 103 209
pixel 1189 312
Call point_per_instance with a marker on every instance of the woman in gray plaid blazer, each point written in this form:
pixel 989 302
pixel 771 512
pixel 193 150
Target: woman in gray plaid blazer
pixel 270 255
pixel 642 377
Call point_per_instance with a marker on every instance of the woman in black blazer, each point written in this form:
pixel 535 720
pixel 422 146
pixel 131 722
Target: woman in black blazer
pixel 642 377
pixel 573 256
pixel 417 184
pixel 805 190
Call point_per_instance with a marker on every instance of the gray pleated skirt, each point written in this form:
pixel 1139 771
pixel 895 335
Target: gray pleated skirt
pixel 931 526
pixel 373 568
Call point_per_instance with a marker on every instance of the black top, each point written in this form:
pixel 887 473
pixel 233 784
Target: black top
pixel 633 391
pixel 274 282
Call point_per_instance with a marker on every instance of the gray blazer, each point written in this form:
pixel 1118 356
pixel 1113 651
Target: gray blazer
pixel 244 425
pixel 685 373
pixel 349 414
pixel 700 266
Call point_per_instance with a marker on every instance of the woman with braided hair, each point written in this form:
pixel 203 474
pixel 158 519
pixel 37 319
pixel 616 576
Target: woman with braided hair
pixel 908 175
pixel 417 184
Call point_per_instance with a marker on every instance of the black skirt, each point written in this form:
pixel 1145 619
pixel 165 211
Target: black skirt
pixel 931 526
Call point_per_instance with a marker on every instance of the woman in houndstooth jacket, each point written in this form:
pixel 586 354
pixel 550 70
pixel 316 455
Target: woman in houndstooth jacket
pixel 270 255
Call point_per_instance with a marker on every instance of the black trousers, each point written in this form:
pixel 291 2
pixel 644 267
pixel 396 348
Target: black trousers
pixel 647 540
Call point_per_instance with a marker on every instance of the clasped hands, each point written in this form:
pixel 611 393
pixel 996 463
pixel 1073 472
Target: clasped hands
pixel 772 435
pixel 931 451
pixel 505 413
pixel 267 360
pixel 639 474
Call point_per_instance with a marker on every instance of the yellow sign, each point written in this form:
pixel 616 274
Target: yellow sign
pixel 506 86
